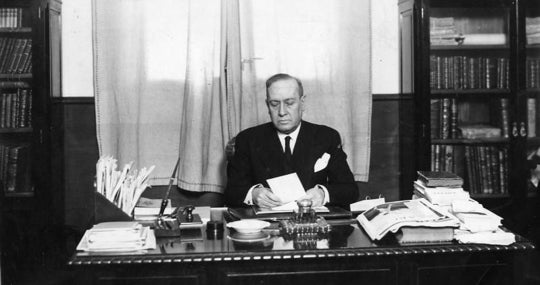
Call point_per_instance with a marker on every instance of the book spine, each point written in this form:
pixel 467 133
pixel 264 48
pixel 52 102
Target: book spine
pixel 435 118
pixel 449 158
pixel 531 117
pixel 11 179
pixel 505 128
pixel 3 109
pixel 445 118
pixel 453 119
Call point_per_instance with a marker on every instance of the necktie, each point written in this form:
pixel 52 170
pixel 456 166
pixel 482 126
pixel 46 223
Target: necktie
pixel 288 154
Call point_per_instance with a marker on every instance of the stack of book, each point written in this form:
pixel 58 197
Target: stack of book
pixel 117 236
pixel 440 187
pixel 479 225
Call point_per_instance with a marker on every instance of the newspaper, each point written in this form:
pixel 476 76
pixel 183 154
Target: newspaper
pixel 390 217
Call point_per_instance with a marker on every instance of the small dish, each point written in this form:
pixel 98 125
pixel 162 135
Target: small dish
pixel 248 226
pixel 252 237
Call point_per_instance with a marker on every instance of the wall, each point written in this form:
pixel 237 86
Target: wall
pixel 77 47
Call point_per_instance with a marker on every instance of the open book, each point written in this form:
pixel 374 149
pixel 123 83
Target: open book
pixel 390 217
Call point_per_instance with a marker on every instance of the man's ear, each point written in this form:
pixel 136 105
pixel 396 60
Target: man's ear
pixel 303 100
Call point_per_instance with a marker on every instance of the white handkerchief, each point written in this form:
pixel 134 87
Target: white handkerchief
pixel 321 163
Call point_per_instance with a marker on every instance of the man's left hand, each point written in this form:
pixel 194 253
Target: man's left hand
pixel 316 195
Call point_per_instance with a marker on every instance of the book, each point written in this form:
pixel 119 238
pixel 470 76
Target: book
pixel 480 131
pixel 424 234
pixel 439 178
pixel 441 195
pixel 531 117
pixel 390 217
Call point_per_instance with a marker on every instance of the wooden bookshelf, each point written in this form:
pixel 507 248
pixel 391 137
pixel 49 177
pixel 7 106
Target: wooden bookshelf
pixel 493 81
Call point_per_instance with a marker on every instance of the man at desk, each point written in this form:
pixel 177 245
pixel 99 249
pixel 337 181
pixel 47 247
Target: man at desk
pixel 286 145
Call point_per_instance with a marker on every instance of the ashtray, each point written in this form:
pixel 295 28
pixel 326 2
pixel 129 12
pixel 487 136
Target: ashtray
pixel 248 226
pixel 251 237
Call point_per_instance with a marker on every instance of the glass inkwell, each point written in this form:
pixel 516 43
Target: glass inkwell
pixel 304 227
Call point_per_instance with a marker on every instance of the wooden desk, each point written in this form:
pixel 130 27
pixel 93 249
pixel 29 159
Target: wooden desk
pixel 346 256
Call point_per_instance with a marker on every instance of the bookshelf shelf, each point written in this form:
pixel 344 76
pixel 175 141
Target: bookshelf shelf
pixel 16 30
pixel 471 141
pixel 15 76
pixel 16 130
pixel 20 194
pixel 436 48
pixel 469 92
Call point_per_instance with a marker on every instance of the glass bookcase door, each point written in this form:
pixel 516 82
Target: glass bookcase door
pixel 471 94
pixel 532 91
pixel 16 93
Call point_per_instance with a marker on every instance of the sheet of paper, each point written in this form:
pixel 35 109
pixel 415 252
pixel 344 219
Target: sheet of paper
pixel 287 187
pixel 367 204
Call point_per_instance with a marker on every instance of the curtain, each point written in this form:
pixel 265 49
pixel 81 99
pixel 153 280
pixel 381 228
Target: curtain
pixel 157 88
pixel 182 77
pixel 326 44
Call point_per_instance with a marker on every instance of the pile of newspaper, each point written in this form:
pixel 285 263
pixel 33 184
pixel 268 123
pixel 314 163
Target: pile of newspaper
pixel 118 236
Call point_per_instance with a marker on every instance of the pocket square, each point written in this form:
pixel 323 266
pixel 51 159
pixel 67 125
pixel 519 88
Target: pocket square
pixel 321 163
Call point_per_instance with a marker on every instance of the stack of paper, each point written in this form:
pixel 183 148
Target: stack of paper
pixel 479 225
pixel 498 237
pixel 474 217
pixel 443 196
pixel 117 236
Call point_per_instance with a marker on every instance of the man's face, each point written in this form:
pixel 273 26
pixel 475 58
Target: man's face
pixel 285 105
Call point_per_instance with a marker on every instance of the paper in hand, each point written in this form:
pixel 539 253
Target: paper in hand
pixel 288 187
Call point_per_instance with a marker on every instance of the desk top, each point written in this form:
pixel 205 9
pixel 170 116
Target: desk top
pixel 344 240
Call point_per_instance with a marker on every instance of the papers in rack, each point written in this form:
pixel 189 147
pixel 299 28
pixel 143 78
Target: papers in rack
pixel 287 188
pixel 390 217
pixel 123 188
pixel 117 236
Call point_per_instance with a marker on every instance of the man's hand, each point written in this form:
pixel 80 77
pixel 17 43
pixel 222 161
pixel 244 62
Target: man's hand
pixel 316 195
pixel 264 198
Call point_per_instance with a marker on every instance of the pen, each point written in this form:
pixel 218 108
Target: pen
pixel 165 200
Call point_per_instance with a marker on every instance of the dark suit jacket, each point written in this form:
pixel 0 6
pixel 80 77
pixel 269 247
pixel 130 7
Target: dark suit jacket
pixel 259 156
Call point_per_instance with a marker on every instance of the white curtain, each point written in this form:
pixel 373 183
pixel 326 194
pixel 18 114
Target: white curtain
pixel 157 90
pixel 327 45
pixel 161 89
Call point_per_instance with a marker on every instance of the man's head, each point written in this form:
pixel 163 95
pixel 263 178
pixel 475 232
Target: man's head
pixel 285 101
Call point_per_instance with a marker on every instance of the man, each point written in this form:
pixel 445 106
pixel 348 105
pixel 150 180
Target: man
pixel 287 145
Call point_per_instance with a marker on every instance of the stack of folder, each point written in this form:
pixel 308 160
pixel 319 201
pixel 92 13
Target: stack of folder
pixel 117 236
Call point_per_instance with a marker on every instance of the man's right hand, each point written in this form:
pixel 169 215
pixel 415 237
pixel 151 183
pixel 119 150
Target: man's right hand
pixel 264 198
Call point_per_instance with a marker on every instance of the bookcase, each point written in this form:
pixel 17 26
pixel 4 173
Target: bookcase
pixel 470 74
pixel 29 78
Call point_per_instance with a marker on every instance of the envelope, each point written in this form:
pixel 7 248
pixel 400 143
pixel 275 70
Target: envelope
pixel 321 163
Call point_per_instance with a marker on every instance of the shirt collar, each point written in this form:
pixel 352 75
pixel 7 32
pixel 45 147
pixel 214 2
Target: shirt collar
pixel 293 135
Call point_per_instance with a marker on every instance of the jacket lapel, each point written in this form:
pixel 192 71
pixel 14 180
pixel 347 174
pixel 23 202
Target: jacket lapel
pixel 302 153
